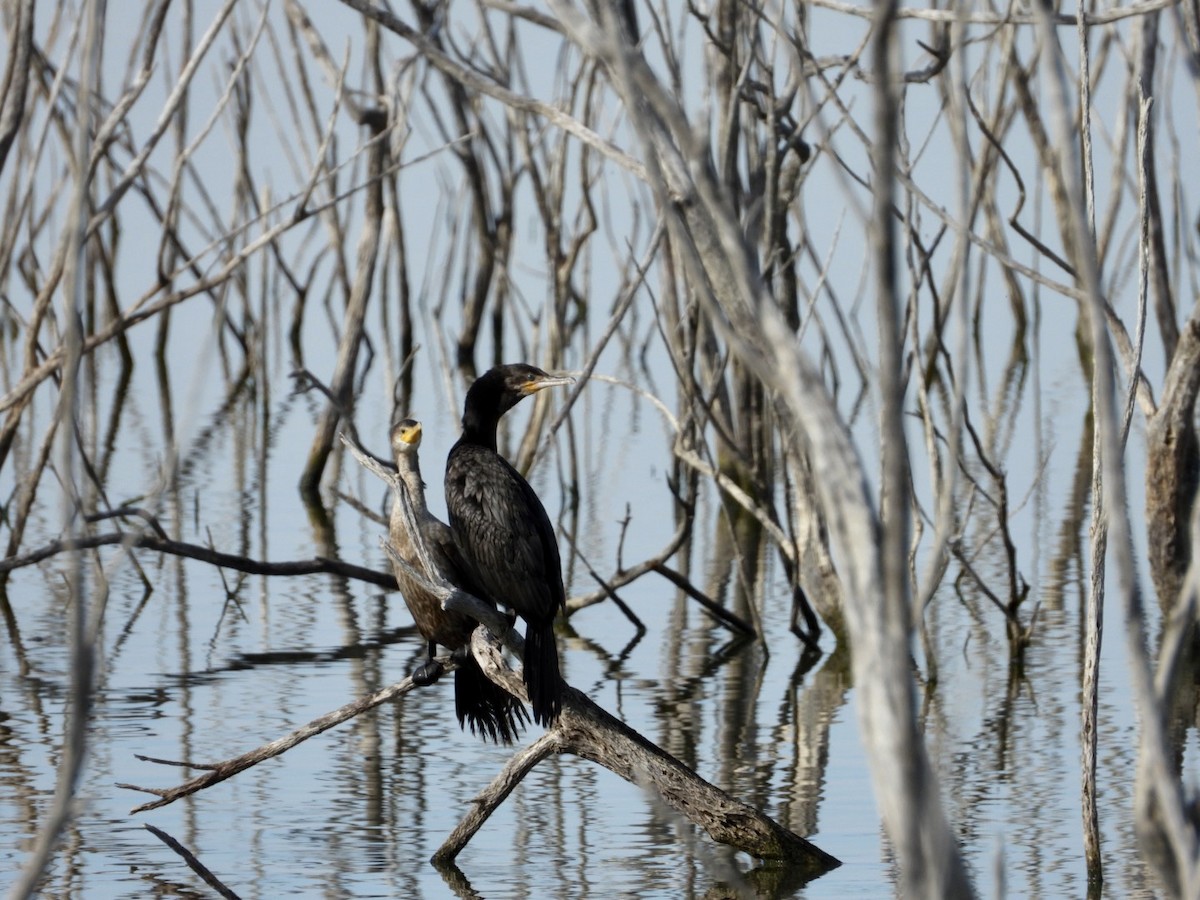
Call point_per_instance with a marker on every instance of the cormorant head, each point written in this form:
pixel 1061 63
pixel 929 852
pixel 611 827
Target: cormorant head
pixel 406 436
pixel 501 388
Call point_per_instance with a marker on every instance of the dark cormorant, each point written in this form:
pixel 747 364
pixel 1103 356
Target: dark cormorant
pixel 502 528
pixel 490 710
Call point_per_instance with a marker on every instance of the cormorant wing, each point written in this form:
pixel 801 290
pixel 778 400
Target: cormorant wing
pixel 503 530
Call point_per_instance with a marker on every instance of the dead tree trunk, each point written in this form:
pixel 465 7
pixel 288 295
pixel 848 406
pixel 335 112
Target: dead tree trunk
pixel 1172 464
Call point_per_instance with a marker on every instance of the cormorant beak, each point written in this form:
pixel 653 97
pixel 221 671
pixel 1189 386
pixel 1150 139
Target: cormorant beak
pixel 412 434
pixel 532 387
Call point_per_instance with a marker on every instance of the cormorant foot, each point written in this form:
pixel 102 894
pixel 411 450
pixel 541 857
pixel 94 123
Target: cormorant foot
pixel 428 672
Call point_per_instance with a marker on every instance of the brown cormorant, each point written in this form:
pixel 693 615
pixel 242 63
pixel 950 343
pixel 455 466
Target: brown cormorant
pixel 490 710
pixel 502 528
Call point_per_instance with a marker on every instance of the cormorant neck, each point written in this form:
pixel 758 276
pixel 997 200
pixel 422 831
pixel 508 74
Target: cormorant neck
pixel 410 473
pixel 480 429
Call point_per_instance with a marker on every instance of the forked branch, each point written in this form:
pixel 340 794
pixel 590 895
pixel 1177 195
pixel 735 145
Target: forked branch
pixel 586 730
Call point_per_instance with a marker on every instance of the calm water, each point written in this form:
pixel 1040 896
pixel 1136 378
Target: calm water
pixel 187 673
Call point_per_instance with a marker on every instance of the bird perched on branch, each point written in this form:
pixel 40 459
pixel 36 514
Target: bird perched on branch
pixel 486 707
pixel 502 529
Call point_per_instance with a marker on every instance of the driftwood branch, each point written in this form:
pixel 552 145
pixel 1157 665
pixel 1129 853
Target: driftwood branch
pixel 586 730
pixel 489 799
pixel 217 772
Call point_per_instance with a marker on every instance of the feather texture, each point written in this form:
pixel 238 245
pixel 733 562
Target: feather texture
pixel 506 539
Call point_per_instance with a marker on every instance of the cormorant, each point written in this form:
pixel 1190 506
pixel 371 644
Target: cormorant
pixel 502 528
pixel 490 710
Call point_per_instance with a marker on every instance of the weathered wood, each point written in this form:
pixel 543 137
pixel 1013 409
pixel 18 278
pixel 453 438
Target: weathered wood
pixel 1173 468
pixel 589 731
pixel 217 772
pixel 586 730
pixel 489 799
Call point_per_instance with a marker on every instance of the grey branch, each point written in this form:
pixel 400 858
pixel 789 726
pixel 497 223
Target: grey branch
pixel 217 772
pixel 584 729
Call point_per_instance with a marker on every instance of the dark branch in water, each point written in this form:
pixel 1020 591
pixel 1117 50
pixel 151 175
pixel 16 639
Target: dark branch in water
pixel 192 863
pixel 315 566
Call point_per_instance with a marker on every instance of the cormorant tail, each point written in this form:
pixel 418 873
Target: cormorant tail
pixel 491 712
pixel 541 672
